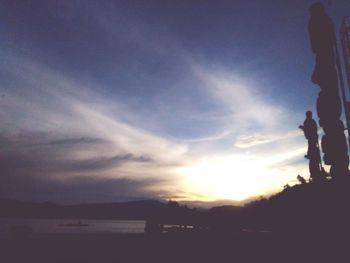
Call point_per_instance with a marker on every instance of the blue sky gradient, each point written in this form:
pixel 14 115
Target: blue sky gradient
pixel 120 100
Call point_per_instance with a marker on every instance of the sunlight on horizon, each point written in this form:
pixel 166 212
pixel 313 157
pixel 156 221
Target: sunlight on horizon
pixel 236 177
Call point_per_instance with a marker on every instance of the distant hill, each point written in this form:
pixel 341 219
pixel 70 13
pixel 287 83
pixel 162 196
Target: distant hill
pixel 303 207
pixel 321 206
pixel 134 210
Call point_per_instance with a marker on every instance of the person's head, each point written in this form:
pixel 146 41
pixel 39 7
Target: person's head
pixel 316 9
pixel 309 114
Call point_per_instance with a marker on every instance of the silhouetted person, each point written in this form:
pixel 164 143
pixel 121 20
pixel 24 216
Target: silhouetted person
pixel 313 152
pixel 310 132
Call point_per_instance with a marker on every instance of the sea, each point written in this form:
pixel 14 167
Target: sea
pixel 71 226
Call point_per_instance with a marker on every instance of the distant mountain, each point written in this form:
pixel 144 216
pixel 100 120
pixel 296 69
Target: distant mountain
pixel 134 210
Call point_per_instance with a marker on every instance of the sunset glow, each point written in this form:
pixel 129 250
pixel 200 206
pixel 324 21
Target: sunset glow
pixel 125 101
pixel 235 177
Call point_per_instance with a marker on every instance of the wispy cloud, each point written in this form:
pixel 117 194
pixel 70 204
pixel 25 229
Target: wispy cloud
pixel 54 128
pixel 78 133
pixel 243 100
pixel 254 139
pixel 199 133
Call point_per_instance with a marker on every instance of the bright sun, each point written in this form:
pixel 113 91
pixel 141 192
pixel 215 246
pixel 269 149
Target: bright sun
pixel 234 177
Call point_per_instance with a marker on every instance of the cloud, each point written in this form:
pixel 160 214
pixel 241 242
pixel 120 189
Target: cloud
pixel 247 141
pixel 255 139
pixel 78 141
pixel 56 130
pixel 79 189
pixel 64 132
pixel 242 102
pixel 35 153
pixel 34 167
pixel 67 107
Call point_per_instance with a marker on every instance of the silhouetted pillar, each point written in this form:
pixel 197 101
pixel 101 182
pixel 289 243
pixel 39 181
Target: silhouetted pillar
pixel 323 43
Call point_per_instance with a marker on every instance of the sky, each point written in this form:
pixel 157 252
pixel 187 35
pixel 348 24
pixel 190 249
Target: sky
pixel 195 101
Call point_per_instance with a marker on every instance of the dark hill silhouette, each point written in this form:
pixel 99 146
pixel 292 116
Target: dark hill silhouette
pixel 319 206
pixel 302 208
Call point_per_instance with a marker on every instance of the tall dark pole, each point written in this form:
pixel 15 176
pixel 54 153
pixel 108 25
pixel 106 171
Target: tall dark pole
pixel 345 41
pixel 342 88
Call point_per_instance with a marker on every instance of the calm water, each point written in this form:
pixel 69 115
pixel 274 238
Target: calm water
pixel 56 226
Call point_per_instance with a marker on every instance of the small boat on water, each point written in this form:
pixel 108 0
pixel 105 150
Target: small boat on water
pixel 79 223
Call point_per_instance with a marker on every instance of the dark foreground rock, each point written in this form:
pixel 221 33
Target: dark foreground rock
pixel 243 246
